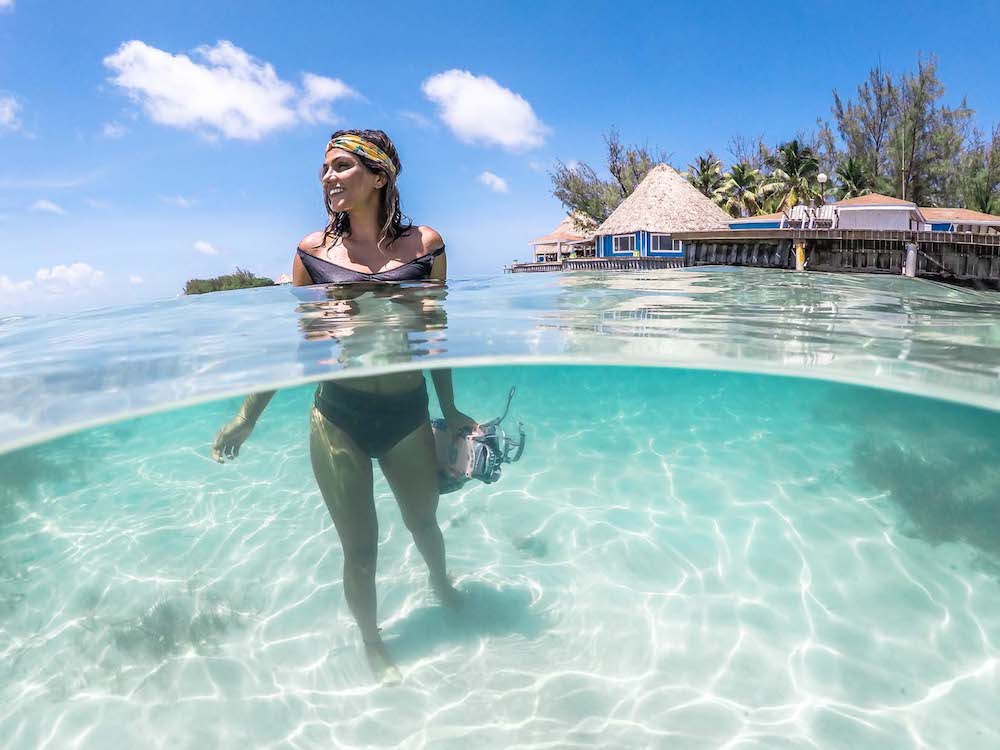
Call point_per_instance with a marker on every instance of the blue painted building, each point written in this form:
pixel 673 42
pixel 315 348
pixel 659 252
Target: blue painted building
pixel 662 204
pixel 764 221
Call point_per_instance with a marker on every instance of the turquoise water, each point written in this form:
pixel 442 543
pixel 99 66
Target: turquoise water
pixel 685 557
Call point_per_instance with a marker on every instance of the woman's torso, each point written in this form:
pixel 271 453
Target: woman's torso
pixel 330 264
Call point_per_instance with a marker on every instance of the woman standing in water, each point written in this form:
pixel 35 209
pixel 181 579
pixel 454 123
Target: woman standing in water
pixel 383 417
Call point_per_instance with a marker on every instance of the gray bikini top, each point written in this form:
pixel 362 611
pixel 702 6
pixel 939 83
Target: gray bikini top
pixel 326 272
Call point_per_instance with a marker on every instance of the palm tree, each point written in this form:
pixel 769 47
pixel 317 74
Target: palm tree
pixel 706 174
pixel 982 192
pixel 854 179
pixel 794 168
pixel 740 193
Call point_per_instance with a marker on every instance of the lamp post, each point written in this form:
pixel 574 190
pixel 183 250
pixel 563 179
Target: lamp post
pixel 822 178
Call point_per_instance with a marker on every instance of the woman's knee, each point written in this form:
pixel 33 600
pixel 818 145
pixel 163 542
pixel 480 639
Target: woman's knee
pixel 361 557
pixel 420 521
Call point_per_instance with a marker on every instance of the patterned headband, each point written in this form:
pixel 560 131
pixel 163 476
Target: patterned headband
pixel 366 148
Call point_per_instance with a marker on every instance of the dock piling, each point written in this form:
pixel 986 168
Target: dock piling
pixel 910 265
pixel 800 256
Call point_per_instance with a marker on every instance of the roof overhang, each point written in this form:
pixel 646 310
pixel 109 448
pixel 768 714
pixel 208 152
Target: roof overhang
pixel 913 209
pixel 972 222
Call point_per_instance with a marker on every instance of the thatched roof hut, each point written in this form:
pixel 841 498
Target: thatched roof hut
pixel 663 203
pixel 571 229
pixel 575 234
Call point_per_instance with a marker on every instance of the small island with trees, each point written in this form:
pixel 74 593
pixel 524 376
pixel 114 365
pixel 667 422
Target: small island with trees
pixel 240 279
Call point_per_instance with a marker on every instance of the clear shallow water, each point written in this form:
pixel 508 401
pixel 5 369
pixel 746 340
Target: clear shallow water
pixel 683 558
pixel 59 373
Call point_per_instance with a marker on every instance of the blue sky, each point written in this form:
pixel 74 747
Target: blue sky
pixel 142 144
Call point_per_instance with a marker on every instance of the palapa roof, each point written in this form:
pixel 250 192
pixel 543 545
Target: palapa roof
pixel 567 231
pixel 959 215
pixel 664 202
pixel 875 199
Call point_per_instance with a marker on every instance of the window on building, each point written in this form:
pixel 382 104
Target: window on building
pixel 624 243
pixel 660 243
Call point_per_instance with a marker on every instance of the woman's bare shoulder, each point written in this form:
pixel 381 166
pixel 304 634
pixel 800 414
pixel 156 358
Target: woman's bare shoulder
pixel 430 239
pixel 312 242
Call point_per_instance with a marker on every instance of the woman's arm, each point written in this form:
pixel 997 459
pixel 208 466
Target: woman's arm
pixel 232 436
pixel 432 241
pixel 254 405
pixel 300 274
pixel 445 389
pixel 443 386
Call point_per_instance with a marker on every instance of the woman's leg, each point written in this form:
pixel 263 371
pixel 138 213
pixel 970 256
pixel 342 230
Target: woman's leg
pixel 344 474
pixel 411 470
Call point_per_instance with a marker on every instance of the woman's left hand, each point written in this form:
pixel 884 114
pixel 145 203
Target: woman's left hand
pixel 459 423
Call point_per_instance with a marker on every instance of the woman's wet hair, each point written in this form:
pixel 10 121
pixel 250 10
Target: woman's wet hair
pixel 394 222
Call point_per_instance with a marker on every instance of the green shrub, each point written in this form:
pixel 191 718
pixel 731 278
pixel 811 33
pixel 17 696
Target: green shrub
pixel 242 279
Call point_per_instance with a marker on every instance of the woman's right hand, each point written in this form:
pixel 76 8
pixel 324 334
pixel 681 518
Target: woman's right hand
pixel 230 438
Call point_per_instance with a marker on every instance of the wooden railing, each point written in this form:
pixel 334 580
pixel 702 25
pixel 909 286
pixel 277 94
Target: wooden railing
pixel 943 255
pixel 598 264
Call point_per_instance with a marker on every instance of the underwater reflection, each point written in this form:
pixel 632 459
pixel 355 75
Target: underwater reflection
pixel 360 325
pixel 839 324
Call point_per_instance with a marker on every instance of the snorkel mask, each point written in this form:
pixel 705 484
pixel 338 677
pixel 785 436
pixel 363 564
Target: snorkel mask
pixel 477 454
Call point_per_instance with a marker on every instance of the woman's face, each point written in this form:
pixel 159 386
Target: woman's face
pixel 347 182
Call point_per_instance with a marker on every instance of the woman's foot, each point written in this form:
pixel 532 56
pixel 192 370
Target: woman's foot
pixel 446 593
pixel 383 667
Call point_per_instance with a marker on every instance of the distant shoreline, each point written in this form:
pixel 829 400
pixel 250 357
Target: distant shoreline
pixel 240 279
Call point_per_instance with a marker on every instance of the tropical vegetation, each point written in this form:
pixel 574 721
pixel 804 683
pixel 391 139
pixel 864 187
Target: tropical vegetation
pixel 853 179
pixel 240 279
pixel 705 173
pixel 742 191
pixel 591 198
pixel 895 136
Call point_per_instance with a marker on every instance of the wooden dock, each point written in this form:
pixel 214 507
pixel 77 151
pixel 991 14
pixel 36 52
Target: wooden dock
pixel 596 264
pixel 943 256
pixel 955 257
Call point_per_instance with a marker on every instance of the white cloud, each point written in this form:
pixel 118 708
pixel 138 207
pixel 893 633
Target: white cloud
pixel 8 286
pixel 73 276
pixel 319 93
pixel 493 182
pixel 223 91
pixel 113 130
pixel 479 110
pixel 133 279
pixel 63 280
pixel 177 200
pixel 98 204
pixel 48 207
pixel 9 109
pixel 6 4
pixel 205 248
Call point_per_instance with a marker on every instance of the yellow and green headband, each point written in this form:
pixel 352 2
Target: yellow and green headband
pixel 366 148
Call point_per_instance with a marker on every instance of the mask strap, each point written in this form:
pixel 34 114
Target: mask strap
pixel 503 416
